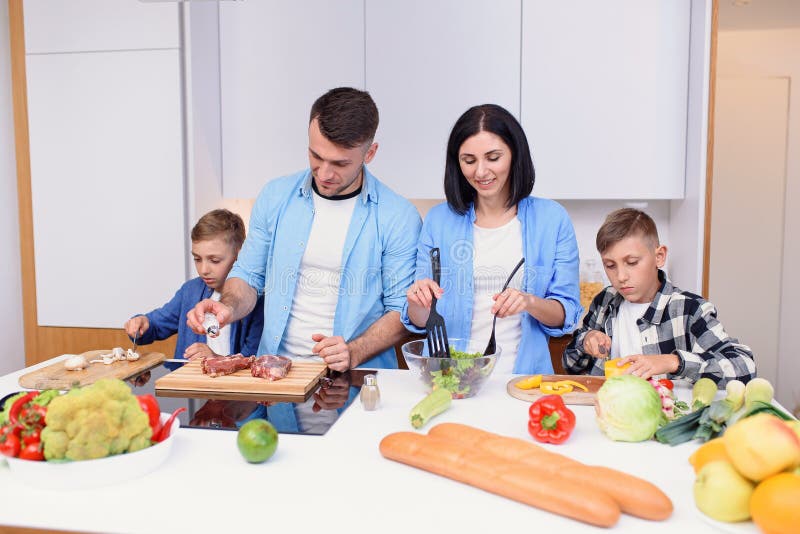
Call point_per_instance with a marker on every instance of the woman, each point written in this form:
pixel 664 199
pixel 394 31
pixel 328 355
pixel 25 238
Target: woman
pixel 487 225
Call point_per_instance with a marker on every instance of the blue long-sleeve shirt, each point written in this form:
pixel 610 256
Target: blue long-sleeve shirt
pixel 550 271
pixel 377 259
pixel 171 318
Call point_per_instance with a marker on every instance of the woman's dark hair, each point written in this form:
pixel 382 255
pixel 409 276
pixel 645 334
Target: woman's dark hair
pixel 494 119
pixel 347 117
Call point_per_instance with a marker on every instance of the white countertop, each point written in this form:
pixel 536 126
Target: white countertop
pixel 339 482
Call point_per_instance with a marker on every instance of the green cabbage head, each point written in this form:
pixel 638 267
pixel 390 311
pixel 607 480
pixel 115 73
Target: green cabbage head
pixel 628 408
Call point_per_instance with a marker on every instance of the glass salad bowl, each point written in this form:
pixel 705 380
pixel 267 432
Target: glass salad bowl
pixel 463 374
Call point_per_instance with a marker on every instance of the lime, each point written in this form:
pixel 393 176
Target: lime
pixel 257 440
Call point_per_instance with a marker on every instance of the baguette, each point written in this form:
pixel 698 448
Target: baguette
pixel 634 495
pixel 522 483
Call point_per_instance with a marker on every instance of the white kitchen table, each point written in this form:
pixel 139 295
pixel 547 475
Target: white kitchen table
pixel 339 482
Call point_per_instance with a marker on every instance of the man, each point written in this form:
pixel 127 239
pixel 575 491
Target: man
pixel 332 249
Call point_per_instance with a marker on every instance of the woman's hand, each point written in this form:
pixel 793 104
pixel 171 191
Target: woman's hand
pixel 421 293
pixel 597 344
pixel 136 326
pixel 647 366
pixel 511 302
pixel 198 350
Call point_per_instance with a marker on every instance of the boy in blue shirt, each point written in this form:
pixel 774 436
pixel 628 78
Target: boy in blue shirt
pixel 644 320
pixel 216 240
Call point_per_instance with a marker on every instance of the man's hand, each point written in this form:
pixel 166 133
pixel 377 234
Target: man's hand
pixel 597 344
pixel 195 316
pixel 333 397
pixel 198 350
pixel 333 350
pixel 136 326
pixel 647 366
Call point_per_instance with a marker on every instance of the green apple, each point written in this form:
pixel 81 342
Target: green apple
pixel 722 493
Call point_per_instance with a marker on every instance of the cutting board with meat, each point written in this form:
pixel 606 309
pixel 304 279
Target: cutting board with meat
pixel 56 376
pixel 576 396
pixel 191 381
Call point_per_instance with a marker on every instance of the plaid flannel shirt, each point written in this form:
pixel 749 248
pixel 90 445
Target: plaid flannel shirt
pixel 677 322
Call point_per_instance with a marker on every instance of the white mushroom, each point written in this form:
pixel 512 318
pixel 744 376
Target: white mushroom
pixel 75 363
pixel 131 356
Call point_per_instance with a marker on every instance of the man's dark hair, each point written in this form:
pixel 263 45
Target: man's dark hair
pixel 347 117
pixel 494 119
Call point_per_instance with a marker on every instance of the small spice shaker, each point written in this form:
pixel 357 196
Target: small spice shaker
pixel 211 325
pixel 370 394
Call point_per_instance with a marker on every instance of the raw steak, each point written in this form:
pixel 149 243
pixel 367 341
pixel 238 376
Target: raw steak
pixel 271 367
pixel 225 365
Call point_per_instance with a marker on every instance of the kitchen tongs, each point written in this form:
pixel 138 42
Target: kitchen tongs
pixel 438 347
pixel 491 348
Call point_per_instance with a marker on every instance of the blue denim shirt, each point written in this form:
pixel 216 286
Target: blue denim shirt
pixel 171 319
pixel 550 271
pixel 377 259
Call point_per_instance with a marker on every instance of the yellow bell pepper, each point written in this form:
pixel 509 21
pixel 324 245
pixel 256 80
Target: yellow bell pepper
pixel 555 388
pixel 561 387
pixel 530 382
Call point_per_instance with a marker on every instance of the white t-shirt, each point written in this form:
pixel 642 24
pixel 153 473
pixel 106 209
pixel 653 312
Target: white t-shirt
pixel 317 292
pixel 627 340
pixel 497 252
pixel 222 343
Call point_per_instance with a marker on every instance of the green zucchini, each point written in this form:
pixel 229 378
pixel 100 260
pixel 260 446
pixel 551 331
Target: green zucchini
pixel 435 403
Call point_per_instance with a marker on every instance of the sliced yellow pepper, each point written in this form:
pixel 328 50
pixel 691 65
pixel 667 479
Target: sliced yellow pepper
pixel 530 382
pixel 555 388
pixel 560 387
pixel 575 384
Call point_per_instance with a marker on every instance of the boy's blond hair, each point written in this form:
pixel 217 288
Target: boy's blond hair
pixel 220 223
pixel 626 222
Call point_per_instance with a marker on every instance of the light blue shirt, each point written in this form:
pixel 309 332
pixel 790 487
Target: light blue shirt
pixel 377 259
pixel 550 271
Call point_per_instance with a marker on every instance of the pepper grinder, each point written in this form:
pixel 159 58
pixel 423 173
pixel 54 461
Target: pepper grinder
pixel 370 394
pixel 211 325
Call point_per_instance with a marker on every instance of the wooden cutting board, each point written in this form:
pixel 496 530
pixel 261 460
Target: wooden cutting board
pixel 189 381
pixel 55 376
pixel 576 396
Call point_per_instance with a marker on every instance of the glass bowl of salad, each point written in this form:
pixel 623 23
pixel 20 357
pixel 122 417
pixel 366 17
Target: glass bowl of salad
pixel 463 374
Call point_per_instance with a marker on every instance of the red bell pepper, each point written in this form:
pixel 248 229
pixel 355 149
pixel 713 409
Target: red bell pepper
pixel 13 412
pixel 550 420
pixel 149 405
pixel 167 427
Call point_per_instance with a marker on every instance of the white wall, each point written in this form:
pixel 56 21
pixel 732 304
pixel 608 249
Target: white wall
pixel 776 53
pixel 12 355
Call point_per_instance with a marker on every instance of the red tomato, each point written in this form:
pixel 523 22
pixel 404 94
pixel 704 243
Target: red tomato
pixel 32 452
pixel 10 445
pixel 667 383
pixel 32 436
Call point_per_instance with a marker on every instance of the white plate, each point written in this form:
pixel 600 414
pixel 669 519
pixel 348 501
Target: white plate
pixel 742 527
pixel 94 473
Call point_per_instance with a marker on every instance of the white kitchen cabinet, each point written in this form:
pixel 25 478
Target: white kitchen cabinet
pixel 106 184
pixel 92 25
pixel 604 96
pixel 427 63
pixel 276 58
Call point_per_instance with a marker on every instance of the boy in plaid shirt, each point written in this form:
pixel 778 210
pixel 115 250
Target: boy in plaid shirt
pixel 645 320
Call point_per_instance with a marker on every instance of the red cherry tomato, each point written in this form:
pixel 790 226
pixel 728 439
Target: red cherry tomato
pixel 667 383
pixel 32 452
pixel 10 445
pixel 32 436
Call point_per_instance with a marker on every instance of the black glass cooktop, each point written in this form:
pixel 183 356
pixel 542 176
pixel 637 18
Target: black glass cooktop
pixel 312 417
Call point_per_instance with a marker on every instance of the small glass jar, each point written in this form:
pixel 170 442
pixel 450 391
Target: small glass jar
pixel 591 282
pixel 370 394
